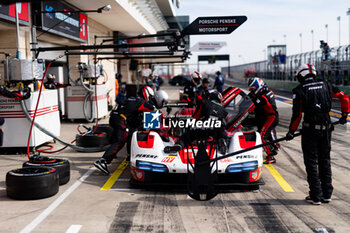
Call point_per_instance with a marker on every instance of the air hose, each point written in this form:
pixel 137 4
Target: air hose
pixel 42 129
pixel 36 108
pixel 70 77
pixel 86 99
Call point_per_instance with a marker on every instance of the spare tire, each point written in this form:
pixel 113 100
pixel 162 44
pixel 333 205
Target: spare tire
pixel 32 183
pixel 91 140
pixel 61 165
pixel 103 128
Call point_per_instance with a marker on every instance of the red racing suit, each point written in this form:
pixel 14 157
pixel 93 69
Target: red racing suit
pixel 266 116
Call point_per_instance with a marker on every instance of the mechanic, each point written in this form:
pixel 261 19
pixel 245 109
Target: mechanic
pixel 203 90
pixel 190 90
pixel 14 95
pixel 314 98
pixel 266 115
pixel 219 82
pixel 211 108
pixel 121 94
pixel 125 120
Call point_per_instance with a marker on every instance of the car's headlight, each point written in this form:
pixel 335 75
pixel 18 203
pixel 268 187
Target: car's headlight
pixel 148 166
pixel 242 167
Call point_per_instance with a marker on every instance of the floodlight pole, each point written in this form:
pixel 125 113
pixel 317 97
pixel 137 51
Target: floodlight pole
pixel 348 13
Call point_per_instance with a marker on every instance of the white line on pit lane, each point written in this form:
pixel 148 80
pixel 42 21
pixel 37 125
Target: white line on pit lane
pixel 57 202
pixel 74 229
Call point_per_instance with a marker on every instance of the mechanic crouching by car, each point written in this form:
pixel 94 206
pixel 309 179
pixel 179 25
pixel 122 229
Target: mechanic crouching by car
pixel 314 99
pixel 207 109
pixel 266 115
pixel 125 120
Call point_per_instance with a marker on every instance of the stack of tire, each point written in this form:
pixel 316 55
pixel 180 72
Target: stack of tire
pixel 39 177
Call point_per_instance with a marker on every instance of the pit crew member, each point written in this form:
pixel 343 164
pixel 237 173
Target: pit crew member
pixel 210 108
pixel 266 115
pixel 125 120
pixel 190 90
pixel 314 99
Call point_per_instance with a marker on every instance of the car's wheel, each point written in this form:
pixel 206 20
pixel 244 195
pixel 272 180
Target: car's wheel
pixel 61 165
pixel 91 140
pixel 32 183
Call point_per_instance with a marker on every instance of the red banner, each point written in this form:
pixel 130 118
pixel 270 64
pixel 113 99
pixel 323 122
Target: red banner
pixel 83 27
pixel 22 9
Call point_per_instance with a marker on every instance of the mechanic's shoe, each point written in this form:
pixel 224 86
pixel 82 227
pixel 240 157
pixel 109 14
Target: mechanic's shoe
pixel 325 200
pixel 222 146
pixel 275 151
pixel 270 159
pixel 308 199
pixel 172 149
pixel 101 165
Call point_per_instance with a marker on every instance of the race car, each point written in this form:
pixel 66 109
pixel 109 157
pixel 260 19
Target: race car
pixel 151 165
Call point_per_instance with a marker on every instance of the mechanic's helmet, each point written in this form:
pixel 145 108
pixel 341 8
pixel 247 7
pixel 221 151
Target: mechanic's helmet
pixel 304 72
pixel 255 85
pixel 161 98
pixel 146 93
pixel 196 78
pixel 215 95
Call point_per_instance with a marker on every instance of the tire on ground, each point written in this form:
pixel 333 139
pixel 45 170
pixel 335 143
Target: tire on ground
pixel 32 183
pixel 91 140
pixel 104 128
pixel 61 165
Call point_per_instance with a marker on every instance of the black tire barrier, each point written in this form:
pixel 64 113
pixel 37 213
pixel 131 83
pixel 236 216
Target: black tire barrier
pixel 103 128
pixel 91 140
pixel 31 183
pixel 61 165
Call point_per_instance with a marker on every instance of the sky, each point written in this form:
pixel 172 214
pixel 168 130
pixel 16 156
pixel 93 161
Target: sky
pixel 270 22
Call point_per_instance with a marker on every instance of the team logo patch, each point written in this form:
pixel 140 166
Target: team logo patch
pixel 151 120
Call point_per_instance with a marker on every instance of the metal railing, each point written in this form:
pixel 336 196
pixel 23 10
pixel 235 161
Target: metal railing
pixel 333 66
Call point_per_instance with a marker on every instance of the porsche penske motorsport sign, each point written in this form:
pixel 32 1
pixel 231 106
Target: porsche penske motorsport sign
pixel 214 25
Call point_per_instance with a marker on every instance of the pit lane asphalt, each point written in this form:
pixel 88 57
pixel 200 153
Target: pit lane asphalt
pixel 81 205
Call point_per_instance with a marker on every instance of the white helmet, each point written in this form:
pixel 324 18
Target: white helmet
pixel 255 85
pixel 161 98
pixel 196 77
pixel 304 71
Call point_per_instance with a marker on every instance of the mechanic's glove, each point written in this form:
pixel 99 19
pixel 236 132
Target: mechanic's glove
pixel 343 118
pixel 26 93
pixel 289 135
